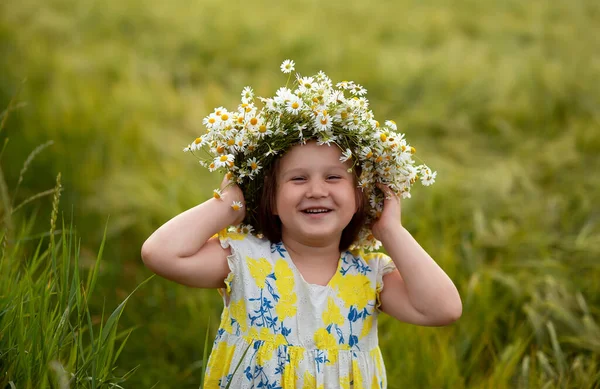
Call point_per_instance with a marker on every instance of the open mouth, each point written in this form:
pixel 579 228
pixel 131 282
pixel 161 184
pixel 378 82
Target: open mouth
pixel 316 211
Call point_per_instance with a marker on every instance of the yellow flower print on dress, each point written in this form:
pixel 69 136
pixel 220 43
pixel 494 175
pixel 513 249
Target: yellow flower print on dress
pixel 355 290
pixel 290 376
pixel 310 382
pixel 284 277
pixel 357 376
pixel 367 325
pixel 286 307
pixel 237 311
pixel 226 320
pixel 259 269
pixel 265 353
pixel 284 281
pixel 219 364
pixel 332 314
pixel 324 340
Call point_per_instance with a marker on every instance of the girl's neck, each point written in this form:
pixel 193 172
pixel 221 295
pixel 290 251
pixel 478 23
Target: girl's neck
pixel 309 252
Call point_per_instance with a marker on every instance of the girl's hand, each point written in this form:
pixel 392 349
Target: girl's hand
pixel 230 193
pixel 390 217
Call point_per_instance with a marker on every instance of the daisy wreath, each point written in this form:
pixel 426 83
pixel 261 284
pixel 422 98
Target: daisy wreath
pixel 243 143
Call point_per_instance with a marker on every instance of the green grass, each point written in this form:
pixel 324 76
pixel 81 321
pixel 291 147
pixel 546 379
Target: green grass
pixel 500 97
pixel 49 336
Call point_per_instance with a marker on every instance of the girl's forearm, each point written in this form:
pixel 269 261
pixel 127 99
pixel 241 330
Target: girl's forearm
pixel 429 289
pixel 186 233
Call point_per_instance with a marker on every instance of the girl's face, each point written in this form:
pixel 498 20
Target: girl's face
pixel 316 196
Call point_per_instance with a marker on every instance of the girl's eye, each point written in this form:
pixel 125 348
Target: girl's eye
pixel 297 178
pixel 333 177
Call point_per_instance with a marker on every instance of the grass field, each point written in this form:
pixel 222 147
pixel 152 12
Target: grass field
pixel 502 98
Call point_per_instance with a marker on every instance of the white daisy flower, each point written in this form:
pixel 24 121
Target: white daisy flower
pixel 282 96
pixel 247 95
pixel 198 143
pixel 306 84
pixel 358 90
pixel 217 194
pixel 324 79
pixel 345 84
pixel 253 165
pixel 323 121
pixel 346 155
pixel 254 123
pixel 224 160
pixel 237 205
pixel 294 105
pixel 288 66
pixel 225 120
pixel 391 124
pixel 428 179
pixel 210 121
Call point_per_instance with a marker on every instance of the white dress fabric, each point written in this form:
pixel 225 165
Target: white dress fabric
pixel 279 332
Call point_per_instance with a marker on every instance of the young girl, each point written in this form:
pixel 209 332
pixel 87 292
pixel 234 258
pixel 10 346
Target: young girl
pixel 301 298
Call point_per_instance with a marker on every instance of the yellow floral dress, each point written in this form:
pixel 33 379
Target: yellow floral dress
pixel 279 332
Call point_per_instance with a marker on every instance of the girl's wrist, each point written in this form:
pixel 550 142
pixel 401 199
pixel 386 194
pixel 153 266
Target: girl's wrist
pixel 232 208
pixel 394 234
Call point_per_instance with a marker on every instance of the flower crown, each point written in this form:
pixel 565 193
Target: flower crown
pixel 244 143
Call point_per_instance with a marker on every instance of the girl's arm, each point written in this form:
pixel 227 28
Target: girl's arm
pixel 182 249
pixel 419 291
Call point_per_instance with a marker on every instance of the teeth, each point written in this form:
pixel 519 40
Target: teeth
pixel 316 210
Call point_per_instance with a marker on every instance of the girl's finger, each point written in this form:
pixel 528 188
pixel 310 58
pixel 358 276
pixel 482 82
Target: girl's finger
pixel 386 191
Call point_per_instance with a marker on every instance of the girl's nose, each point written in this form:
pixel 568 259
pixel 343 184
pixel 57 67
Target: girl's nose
pixel 316 188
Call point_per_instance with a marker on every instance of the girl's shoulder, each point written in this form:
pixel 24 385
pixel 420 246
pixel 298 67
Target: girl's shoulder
pixel 377 261
pixel 243 241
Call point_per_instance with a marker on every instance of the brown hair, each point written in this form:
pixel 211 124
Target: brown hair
pixel 270 224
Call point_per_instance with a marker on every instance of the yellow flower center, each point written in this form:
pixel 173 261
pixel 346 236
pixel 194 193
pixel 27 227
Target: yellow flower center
pixel 413 150
pixel 212 166
pixel 211 120
pixel 235 207
pixel 229 175
pixel 324 121
pixel 369 154
pixel 295 105
pixel 253 165
pixel 377 125
pixel 231 142
pixel 216 195
pixel 254 121
pixel 223 158
pixel 224 117
pixel 262 128
pixel 383 137
pixel 220 149
pixel 403 148
pixel 379 159
pixel 198 140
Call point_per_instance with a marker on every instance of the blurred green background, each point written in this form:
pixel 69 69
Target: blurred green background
pixel 501 97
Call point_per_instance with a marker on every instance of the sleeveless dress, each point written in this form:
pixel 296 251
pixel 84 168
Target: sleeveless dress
pixel 279 332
